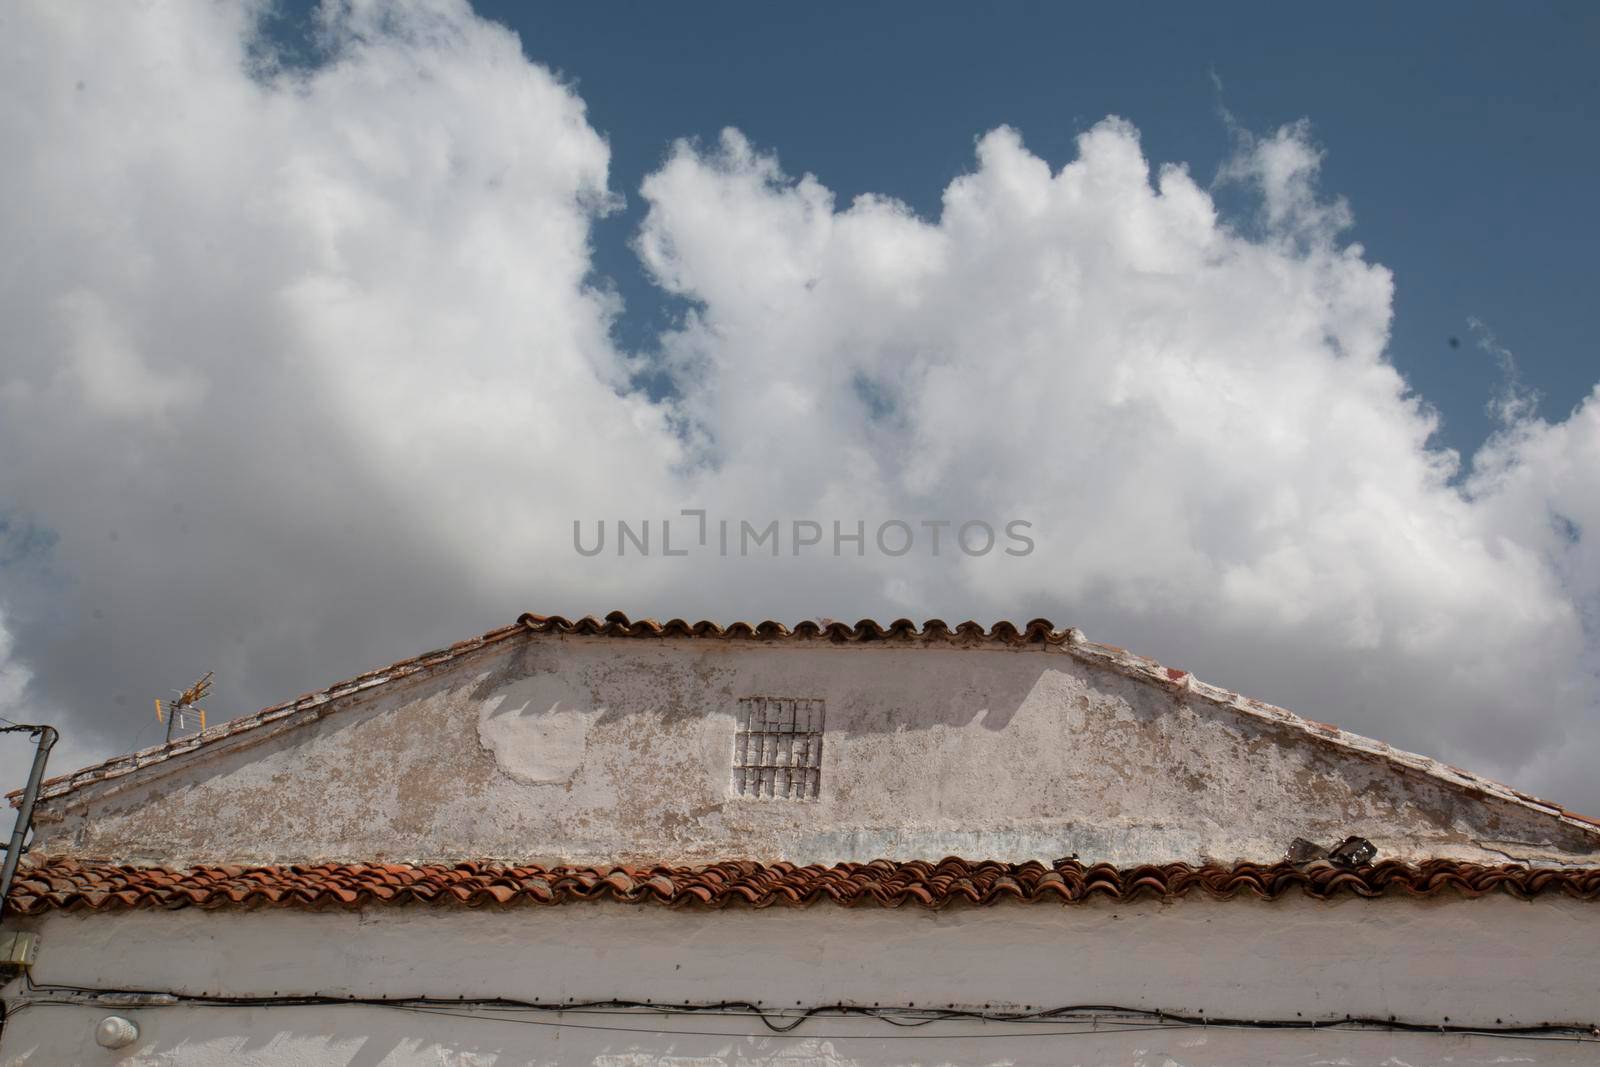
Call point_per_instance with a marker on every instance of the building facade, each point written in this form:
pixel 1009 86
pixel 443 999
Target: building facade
pixel 619 843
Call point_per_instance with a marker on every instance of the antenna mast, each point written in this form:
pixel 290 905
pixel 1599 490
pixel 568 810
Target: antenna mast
pixel 185 708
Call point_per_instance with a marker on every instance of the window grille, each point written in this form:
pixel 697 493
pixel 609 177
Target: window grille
pixel 778 748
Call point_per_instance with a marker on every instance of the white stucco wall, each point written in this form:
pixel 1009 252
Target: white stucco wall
pixel 1482 962
pixel 362 1037
pixel 597 750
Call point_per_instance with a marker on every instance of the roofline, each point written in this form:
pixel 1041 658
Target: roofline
pixel 1039 634
pixel 64 884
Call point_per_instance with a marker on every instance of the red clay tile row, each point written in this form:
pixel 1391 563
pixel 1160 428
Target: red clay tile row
pixel 616 624
pixel 66 884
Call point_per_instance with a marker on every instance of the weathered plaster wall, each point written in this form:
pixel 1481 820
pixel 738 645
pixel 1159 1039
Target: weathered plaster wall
pixel 599 750
pixel 1493 961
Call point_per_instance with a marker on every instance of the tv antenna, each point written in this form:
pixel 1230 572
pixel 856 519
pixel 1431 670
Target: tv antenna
pixel 185 709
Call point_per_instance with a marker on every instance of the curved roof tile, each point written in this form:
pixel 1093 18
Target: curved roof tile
pixel 69 885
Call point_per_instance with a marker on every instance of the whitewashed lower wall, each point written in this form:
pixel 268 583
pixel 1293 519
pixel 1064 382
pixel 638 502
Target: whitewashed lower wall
pixel 306 1037
pixel 1480 962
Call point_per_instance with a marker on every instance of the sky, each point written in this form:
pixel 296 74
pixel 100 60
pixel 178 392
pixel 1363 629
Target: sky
pixel 1464 138
pixel 326 326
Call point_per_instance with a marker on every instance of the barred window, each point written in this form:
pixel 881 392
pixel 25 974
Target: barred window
pixel 778 748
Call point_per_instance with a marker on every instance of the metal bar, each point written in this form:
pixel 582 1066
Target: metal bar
pixel 46 739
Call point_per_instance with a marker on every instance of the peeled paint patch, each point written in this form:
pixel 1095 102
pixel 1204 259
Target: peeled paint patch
pixel 538 730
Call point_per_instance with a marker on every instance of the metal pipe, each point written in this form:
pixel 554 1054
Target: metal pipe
pixel 47 737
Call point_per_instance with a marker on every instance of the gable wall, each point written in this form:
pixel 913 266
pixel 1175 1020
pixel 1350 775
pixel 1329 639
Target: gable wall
pixel 596 750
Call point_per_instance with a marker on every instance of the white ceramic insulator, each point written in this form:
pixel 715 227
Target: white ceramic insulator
pixel 116 1032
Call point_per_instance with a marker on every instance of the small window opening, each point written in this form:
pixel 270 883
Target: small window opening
pixel 778 748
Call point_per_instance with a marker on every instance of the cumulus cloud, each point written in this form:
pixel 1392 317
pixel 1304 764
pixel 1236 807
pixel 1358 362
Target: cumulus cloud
pixel 17 747
pixel 1219 460
pixel 1536 485
pixel 299 363
pixel 13 677
pixel 308 371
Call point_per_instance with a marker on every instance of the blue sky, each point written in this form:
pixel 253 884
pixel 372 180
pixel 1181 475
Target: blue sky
pixel 1466 137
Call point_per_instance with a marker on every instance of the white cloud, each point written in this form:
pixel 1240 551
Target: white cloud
pixel 1222 466
pixel 17 747
pixel 306 376
pixel 14 677
pixel 297 365
pixel 1537 487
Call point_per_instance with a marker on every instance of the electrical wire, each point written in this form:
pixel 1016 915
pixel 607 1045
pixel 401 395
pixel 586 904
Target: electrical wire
pixel 1087 1028
pixel 1090 1018
pixel 814 1037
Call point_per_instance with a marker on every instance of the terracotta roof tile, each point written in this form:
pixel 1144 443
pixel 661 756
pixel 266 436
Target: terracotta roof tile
pixel 65 884
pixel 1037 633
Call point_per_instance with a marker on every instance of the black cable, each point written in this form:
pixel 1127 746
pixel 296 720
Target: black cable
pixel 1090 1027
pixel 785 1021
pixel 1107 1029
